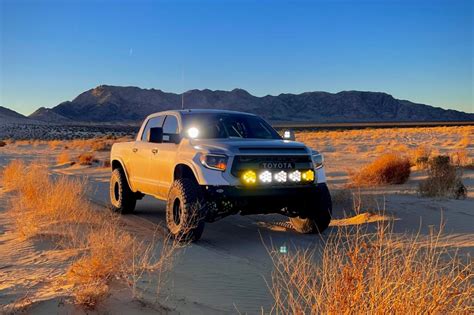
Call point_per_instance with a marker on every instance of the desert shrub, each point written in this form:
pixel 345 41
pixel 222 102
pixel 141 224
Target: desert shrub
pixel 387 169
pixel 460 158
pixel 400 147
pixel 360 272
pixel 444 179
pixel 420 156
pixel 380 149
pixel 2 143
pixel 79 144
pixel 352 149
pixel 44 206
pixel 109 253
pixel 53 144
pixel 63 158
pixel 58 208
pixel 86 158
pixel 464 142
pixel 101 145
pixel 12 174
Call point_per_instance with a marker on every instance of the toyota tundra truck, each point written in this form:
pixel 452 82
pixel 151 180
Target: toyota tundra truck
pixel 208 164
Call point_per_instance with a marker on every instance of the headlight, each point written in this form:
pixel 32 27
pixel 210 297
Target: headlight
pixel 318 160
pixel 214 161
pixel 193 132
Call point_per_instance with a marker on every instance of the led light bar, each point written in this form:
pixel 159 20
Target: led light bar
pixel 308 176
pixel 295 176
pixel 266 176
pixel 280 177
pixel 249 177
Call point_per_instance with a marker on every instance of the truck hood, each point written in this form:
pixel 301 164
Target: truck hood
pixel 251 146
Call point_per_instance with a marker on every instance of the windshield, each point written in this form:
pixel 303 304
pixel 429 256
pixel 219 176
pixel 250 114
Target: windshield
pixel 228 125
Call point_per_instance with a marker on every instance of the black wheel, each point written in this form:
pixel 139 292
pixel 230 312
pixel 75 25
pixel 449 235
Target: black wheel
pixel 185 210
pixel 317 213
pixel 121 196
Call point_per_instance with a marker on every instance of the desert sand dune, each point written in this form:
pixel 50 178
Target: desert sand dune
pixel 229 269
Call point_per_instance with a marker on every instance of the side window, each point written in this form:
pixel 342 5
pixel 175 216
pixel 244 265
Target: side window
pixel 153 122
pixel 171 124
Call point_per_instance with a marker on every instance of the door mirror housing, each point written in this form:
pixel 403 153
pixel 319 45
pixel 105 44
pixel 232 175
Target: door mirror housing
pixel 172 138
pixel 289 135
pixel 155 135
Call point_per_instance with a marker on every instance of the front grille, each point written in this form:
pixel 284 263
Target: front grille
pixel 254 162
pixel 274 150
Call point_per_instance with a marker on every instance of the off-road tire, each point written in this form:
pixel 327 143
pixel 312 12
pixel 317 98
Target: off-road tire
pixel 319 212
pixel 185 210
pixel 122 198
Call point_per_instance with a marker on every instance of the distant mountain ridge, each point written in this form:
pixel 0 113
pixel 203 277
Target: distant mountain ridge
pixel 8 116
pixel 132 104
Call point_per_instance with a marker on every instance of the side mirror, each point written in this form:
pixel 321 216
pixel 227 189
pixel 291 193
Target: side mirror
pixel 155 135
pixel 289 135
pixel 173 138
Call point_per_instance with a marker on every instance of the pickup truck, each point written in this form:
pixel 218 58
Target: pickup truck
pixel 208 164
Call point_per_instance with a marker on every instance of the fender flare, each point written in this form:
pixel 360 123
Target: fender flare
pixel 191 166
pixel 122 165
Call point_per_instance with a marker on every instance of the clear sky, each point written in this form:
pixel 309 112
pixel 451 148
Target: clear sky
pixel 420 50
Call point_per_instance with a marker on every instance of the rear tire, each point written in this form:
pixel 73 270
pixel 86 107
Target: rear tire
pixel 318 212
pixel 185 210
pixel 121 196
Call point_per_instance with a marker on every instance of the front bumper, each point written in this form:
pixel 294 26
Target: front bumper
pixel 225 200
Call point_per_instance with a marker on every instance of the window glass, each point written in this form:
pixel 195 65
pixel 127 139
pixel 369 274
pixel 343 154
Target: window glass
pixel 152 123
pixel 225 125
pixel 171 124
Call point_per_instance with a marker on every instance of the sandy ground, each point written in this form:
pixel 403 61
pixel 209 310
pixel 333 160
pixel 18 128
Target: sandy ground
pixel 229 269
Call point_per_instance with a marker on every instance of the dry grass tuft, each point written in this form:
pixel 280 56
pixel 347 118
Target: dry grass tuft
pixel 420 156
pixel 109 253
pixel 359 272
pixel 54 144
pixel 101 145
pixel 461 158
pixel 464 142
pixel 444 179
pixel 86 158
pixel 12 173
pixel 59 209
pixel 387 169
pixel 48 207
pixel 63 158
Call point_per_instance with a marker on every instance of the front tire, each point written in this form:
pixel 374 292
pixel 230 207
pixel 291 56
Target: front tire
pixel 184 210
pixel 317 213
pixel 121 196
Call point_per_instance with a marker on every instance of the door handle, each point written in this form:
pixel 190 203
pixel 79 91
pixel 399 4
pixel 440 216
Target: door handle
pixel 154 151
pixel 134 150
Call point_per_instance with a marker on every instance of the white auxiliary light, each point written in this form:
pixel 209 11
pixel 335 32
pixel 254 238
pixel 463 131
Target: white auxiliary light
pixel 193 132
pixel 280 177
pixel 265 177
pixel 295 176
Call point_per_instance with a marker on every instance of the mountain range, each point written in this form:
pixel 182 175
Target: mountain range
pixel 116 104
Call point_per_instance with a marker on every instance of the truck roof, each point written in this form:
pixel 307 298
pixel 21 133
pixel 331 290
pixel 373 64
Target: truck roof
pixel 211 111
pixel 200 111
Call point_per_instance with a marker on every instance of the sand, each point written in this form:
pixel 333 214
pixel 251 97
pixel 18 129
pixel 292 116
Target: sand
pixel 228 271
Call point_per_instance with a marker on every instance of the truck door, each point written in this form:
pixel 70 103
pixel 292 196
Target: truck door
pixel 141 156
pixel 163 158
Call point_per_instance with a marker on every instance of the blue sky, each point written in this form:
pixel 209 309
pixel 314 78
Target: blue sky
pixel 417 50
